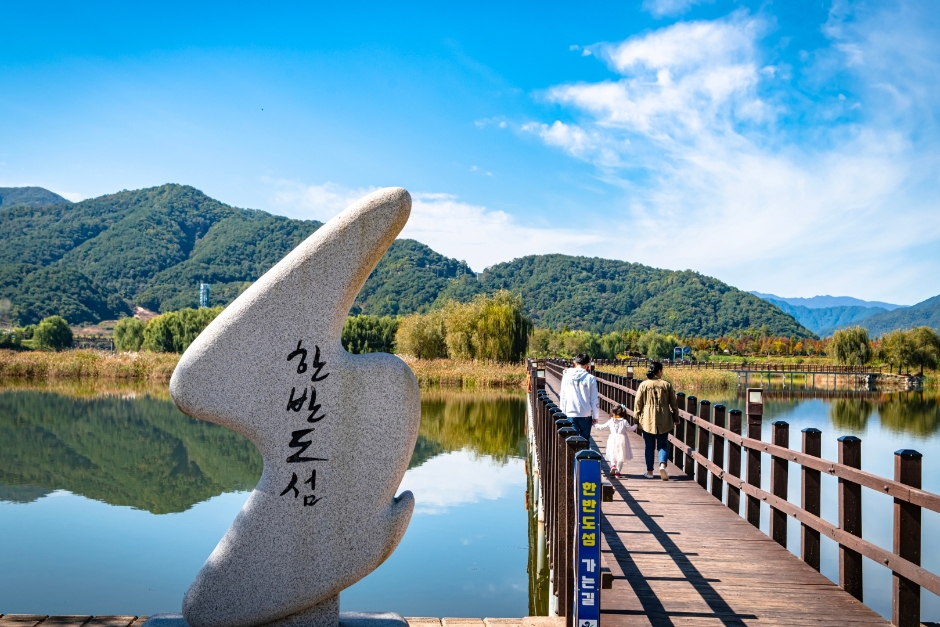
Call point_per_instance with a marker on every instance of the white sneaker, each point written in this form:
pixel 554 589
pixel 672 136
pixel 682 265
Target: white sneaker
pixel 649 475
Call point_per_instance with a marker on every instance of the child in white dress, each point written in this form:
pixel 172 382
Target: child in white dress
pixel 618 446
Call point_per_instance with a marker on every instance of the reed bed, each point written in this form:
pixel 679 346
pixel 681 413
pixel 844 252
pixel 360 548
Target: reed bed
pixel 87 364
pixel 467 374
pixel 157 367
pixel 88 388
pixel 683 379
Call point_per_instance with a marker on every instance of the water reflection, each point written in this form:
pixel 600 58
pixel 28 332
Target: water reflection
pixel 913 412
pixel 140 452
pixel 850 413
pixel 71 454
pixel 488 424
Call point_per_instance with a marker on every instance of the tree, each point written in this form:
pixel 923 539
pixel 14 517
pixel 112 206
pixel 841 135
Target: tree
pixel 851 346
pixel 422 336
pixel 370 334
pixel 656 345
pixel 53 333
pixel 129 334
pixel 173 332
pixel 926 345
pixel 897 349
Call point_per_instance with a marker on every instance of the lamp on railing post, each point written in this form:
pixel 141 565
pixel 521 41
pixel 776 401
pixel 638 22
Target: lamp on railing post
pixel 755 412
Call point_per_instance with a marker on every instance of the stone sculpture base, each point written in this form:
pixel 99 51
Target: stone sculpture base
pixel 318 616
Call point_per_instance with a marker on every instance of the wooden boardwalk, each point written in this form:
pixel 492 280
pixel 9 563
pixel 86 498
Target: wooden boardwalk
pixel 680 557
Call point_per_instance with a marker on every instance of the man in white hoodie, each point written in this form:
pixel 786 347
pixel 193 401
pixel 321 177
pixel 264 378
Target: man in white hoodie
pixel 578 396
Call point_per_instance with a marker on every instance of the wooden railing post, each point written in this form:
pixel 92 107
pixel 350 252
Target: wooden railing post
pixel 734 462
pixel 675 456
pixel 691 406
pixel 562 497
pixel 753 470
pixel 850 517
pixel 811 497
pixel 718 452
pixel 573 444
pixel 779 468
pixel 905 604
pixel 704 412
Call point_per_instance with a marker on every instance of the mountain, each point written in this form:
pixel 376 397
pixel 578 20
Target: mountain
pixel 28 197
pixel 94 259
pixel 923 314
pixel 90 260
pixel 821 302
pixel 605 295
pixel 824 320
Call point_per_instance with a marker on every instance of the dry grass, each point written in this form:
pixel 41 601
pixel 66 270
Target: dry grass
pixel 693 379
pixel 467 374
pixel 87 364
pixel 683 379
pixel 89 388
pixel 157 368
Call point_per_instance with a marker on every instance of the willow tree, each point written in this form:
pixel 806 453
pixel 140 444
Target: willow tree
pixel 851 346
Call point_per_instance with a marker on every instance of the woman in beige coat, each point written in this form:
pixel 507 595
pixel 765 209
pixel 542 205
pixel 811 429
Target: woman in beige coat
pixel 657 411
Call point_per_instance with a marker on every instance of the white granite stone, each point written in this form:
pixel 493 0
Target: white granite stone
pixel 303 537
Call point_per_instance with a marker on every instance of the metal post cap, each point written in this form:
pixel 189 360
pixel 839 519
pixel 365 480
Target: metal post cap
pixel 849 438
pixel 567 431
pixel 780 423
pixel 719 406
pixel 588 453
pixel 735 411
pixel 575 439
pixel 908 453
pixel 811 430
pixel 563 423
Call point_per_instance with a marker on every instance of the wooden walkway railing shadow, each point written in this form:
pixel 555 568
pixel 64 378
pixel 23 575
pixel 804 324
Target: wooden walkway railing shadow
pixel 681 555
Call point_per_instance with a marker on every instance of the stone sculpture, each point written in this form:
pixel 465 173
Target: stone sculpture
pixel 336 431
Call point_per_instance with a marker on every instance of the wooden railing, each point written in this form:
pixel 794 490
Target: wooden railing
pixel 556 444
pixel 697 447
pixel 742 366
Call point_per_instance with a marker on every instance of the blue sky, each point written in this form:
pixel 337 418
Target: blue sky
pixel 785 147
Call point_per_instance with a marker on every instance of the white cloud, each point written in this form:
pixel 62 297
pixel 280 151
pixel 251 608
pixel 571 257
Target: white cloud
pixel 312 202
pixel 470 479
pixel 73 196
pixel 693 132
pixel 669 8
pixel 472 233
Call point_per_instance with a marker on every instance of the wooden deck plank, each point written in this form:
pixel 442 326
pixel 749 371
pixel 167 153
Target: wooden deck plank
pixel 680 557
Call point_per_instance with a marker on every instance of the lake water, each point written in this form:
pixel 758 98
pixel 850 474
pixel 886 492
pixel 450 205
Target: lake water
pixel 111 501
pixel 110 505
pixel 885 422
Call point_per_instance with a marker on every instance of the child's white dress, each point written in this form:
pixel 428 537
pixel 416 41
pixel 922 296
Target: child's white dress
pixel 618 446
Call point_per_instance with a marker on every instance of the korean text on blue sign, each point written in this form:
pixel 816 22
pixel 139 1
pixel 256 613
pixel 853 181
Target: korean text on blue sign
pixel 587 553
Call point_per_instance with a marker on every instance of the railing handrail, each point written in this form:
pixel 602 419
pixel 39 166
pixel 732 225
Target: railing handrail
pixel 901 492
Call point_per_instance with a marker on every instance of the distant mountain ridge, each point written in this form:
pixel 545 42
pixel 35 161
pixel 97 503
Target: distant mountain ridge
pixel 825 320
pixel 28 197
pixel 923 314
pixel 93 259
pixel 820 302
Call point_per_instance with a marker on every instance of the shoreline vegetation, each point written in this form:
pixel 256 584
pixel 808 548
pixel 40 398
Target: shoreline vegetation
pixel 17 367
pixel 98 368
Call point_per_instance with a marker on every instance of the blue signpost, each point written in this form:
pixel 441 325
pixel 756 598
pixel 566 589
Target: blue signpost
pixel 587 539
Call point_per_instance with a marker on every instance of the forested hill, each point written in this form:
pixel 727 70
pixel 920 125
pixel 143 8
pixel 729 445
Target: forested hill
pixel 605 295
pixel 95 259
pixel 28 196
pixel 923 314
pixel 92 260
